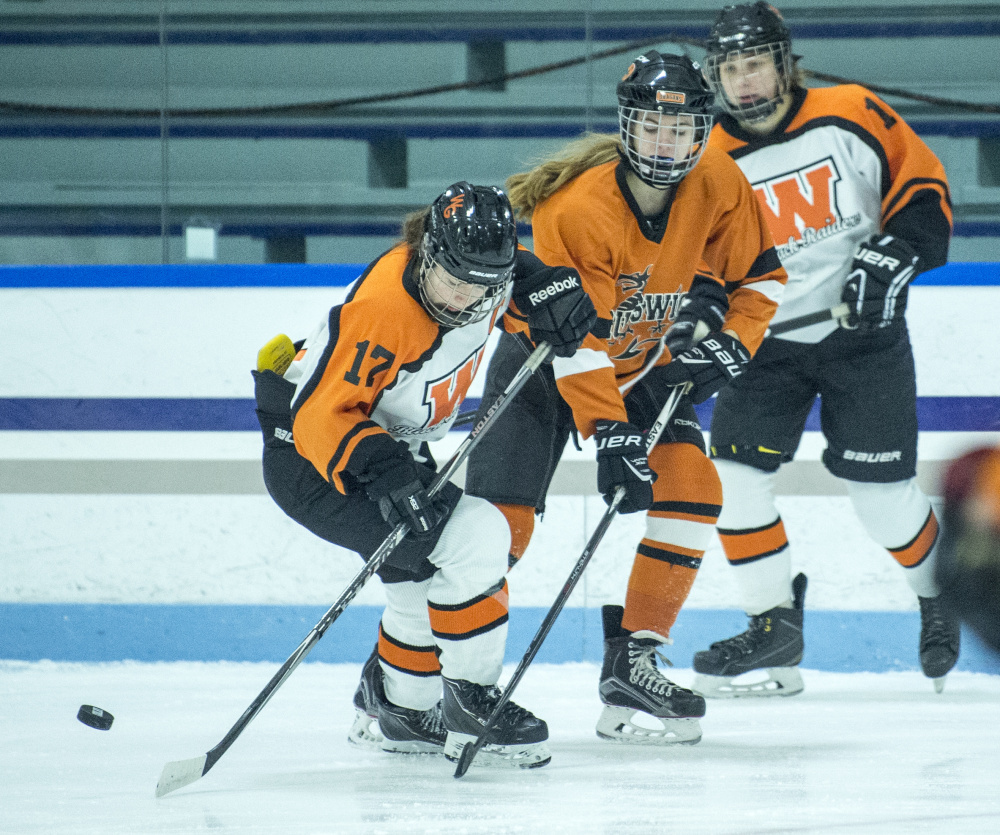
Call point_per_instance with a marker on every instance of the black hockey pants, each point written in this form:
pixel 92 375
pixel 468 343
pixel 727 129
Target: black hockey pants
pixel 352 521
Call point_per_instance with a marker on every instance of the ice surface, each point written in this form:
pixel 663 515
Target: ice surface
pixel 858 753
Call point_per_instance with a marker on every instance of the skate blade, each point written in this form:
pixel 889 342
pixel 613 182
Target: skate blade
pixel 939 684
pixel 365 732
pixel 530 755
pixel 779 681
pixel 616 725
pixel 411 746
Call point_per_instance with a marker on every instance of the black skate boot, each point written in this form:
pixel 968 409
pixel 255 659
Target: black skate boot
pixel 365 731
pixel 939 640
pixel 408 731
pixel 772 645
pixel 632 684
pixel 517 740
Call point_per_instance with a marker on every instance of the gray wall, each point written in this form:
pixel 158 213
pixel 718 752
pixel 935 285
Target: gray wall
pixel 80 184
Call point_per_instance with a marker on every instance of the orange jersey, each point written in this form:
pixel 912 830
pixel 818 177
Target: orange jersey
pixel 637 270
pixel 379 369
pixel 840 168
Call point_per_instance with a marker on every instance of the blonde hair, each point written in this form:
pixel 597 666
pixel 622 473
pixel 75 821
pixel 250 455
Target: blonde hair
pixel 529 188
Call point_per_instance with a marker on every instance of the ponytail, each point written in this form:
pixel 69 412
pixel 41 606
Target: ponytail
pixel 529 188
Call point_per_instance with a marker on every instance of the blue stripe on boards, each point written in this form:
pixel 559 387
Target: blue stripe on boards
pixel 235 414
pixel 183 275
pixel 186 127
pixel 837 641
pixel 189 127
pixel 972 273
pixel 129 414
pixel 28 221
pixel 93 35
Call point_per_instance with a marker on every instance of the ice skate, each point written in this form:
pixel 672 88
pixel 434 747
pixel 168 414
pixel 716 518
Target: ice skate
pixel 641 705
pixel 518 740
pixel 380 724
pixel 939 640
pixel 365 730
pixel 761 661
pixel 408 731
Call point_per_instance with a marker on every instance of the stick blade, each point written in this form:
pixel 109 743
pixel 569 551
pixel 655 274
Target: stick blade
pixel 181 773
pixel 469 751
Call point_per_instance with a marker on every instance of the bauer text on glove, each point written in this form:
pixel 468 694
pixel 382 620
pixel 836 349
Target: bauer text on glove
pixel 702 310
pixel 708 366
pixel 621 462
pixel 878 283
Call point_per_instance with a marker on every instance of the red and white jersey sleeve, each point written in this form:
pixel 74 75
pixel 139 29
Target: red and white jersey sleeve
pixel 843 168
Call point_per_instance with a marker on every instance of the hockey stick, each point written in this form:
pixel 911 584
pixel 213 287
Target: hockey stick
pixel 838 312
pixel 182 772
pixel 472 748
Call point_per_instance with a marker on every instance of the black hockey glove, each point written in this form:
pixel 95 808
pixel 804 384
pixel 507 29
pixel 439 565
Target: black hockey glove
pixel 621 462
pixel 702 310
pixel 708 366
pixel 399 487
pixel 553 299
pixel 877 286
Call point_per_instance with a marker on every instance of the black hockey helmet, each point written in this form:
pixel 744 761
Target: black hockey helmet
pixel 471 235
pixel 665 99
pixel 746 32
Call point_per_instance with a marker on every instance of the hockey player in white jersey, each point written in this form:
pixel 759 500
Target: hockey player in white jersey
pixel 858 206
pixel 346 426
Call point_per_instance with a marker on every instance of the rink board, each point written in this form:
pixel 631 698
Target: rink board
pixel 836 641
pixel 130 484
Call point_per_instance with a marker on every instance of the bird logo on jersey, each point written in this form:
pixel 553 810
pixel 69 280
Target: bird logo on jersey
pixel 801 206
pixel 641 315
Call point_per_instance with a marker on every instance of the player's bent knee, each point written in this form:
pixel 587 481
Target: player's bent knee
pixel 476 541
pixel 521 523
pixel 687 475
pixel 747 495
pixel 759 457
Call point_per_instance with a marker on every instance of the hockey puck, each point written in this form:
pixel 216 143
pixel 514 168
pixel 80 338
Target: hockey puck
pixel 95 717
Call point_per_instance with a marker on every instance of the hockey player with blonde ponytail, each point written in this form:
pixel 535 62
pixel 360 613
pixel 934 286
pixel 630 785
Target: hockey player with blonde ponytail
pixel 668 239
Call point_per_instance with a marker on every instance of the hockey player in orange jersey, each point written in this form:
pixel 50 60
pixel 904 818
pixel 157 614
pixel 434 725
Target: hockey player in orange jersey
pixel 346 427
pixel 858 206
pixel 668 239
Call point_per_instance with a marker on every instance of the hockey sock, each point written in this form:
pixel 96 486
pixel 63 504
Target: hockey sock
pixel 679 526
pixel 899 517
pixel 472 635
pixel 521 520
pixel 407 651
pixel 467 598
pixel 753 538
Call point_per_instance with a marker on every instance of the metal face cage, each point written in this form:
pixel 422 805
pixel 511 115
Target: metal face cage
pixel 662 147
pixel 749 83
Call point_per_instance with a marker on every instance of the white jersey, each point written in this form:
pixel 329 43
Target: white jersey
pixel 840 168
pixel 378 370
